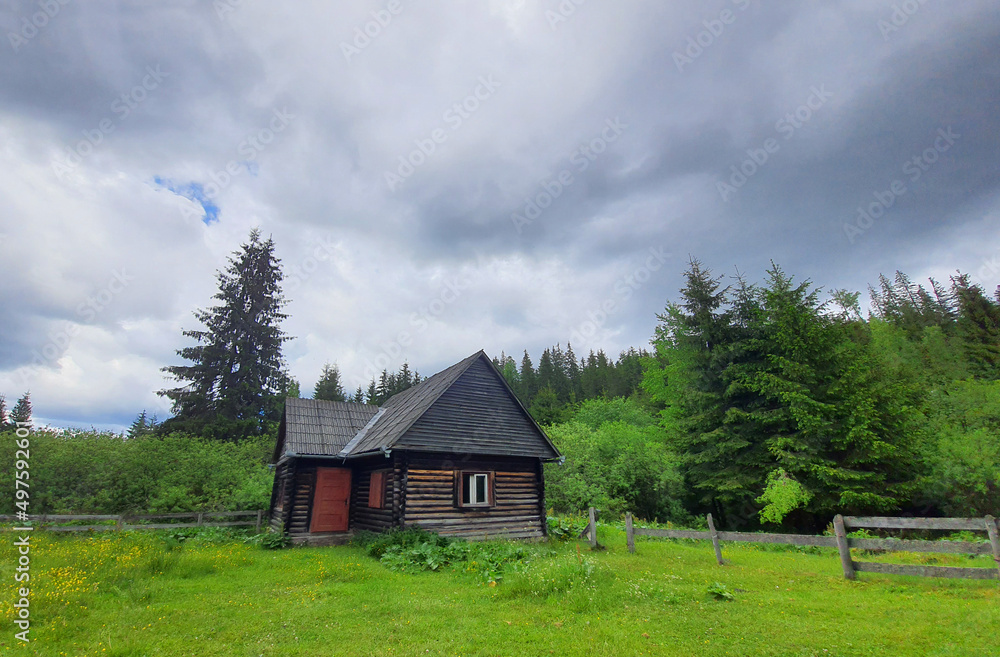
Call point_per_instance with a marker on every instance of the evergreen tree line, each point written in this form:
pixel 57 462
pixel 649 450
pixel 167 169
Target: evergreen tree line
pixel 561 382
pixel 785 407
pixel 549 392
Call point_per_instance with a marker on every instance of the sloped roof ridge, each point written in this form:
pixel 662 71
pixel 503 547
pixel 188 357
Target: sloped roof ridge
pixel 406 407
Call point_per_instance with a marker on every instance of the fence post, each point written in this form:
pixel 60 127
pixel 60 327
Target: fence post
pixel 993 529
pixel 200 518
pixel 715 539
pixel 592 527
pixel 629 536
pixel 118 522
pixel 260 515
pixel 842 547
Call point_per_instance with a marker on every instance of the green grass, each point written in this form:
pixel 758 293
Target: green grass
pixel 138 594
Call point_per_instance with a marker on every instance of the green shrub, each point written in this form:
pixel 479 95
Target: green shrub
pixel 105 473
pixel 414 550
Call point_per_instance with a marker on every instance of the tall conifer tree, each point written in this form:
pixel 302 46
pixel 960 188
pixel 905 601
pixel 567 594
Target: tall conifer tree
pixel 236 373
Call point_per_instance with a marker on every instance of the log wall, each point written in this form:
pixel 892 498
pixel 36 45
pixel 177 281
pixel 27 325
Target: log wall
pixel 283 479
pixel 429 497
pixel 365 518
pixel 300 497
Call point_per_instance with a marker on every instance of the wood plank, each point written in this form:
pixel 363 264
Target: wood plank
pixel 897 545
pixel 672 533
pixel 925 571
pixel 780 539
pixel 477 522
pixel 81 528
pixel 943 524
pixel 81 517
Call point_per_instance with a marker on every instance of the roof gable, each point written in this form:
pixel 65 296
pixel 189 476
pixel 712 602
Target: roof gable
pixel 467 408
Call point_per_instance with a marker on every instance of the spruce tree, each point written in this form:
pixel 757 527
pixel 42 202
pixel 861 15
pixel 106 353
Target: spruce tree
pixel 3 413
pixel 979 326
pixel 329 387
pixel 237 375
pixel 20 415
pixel 529 381
pixel 142 425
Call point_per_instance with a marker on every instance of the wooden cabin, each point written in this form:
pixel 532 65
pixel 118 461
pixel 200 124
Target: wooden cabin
pixel 456 454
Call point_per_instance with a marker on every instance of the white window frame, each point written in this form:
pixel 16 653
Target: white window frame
pixel 469 489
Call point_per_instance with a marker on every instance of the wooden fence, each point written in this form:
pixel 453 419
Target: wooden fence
pixel 129 522
pixel 844 544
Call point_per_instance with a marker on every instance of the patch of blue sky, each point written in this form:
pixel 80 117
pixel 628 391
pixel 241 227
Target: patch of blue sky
pixel 193 191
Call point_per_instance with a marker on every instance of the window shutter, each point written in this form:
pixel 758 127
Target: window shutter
pixel 491 489
pixel 457 488
pixel 376 490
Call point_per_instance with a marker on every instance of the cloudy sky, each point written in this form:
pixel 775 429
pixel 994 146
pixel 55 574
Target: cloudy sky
pixel 444 177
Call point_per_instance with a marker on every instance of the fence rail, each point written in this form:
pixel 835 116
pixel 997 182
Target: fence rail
pixel 844 544
pixel 126 522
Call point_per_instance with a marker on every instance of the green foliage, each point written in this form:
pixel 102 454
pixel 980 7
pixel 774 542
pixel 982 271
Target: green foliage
pixel 414 550
pixel 613 464
pixel 720 591
pixel 782 495
pixel 105 473
pixel 273 540
pixel 963 453
pixel 756 378
pixel 566 528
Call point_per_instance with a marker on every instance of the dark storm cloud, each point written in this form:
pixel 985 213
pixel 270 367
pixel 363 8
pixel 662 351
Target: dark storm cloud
pixel 827 100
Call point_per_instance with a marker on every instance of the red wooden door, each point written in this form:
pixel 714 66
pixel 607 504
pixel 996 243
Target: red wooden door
pixel 331 500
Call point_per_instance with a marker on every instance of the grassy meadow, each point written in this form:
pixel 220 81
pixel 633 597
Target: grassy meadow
pixel 146 593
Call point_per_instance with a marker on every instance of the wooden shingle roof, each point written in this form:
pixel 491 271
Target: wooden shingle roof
pixel 315 427
pixel 466 408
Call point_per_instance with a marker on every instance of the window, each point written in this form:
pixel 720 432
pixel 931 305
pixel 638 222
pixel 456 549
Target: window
pixel 376 490
pixel 476 489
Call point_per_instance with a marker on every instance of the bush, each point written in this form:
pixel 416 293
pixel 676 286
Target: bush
pixel 617 460
pixel 416 550
pixel 105 473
